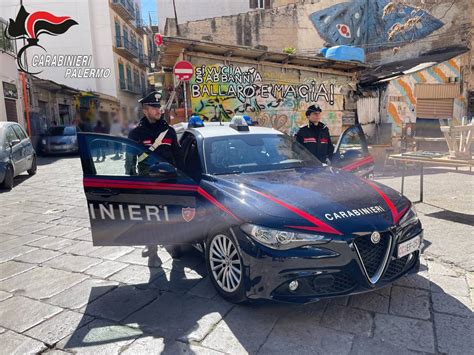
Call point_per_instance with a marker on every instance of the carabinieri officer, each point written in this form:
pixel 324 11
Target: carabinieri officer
pixel 154 133
pixel 315 135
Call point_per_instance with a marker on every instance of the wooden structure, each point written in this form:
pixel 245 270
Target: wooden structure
pixel 459 139
pixel 433 159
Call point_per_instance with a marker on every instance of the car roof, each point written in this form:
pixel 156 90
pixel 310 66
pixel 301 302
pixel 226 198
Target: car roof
pixel 216 129
pixel 7 123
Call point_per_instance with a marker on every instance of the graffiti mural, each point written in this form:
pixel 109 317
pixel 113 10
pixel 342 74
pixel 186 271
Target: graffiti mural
pixel 401 104
pixel 361 22
pixel 219 92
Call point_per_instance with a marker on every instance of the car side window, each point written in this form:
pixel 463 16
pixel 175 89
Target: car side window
pixel 351 142
pixel 10 135
pixel 192 163
pixel 115 158
pixel 19 132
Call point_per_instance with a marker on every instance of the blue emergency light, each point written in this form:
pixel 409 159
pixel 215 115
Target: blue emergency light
pixel 195 122
pixel 239 123
pixel 248 119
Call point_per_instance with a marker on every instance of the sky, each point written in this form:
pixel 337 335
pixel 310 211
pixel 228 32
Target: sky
pixel 149 7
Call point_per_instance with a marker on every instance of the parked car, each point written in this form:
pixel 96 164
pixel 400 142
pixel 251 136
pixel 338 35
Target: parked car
pixel 272 221
pixel 16 153
pixel 60 140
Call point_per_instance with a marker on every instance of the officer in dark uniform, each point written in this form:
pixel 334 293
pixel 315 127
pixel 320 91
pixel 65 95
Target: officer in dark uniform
pixel 315 135
pixel 154 133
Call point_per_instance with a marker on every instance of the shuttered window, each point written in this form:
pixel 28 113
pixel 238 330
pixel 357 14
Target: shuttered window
pixel 10 106
pixel 434 108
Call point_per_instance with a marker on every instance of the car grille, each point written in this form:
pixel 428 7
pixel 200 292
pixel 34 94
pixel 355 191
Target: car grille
pixel 341 282
pixel 397 266
pixel 372 255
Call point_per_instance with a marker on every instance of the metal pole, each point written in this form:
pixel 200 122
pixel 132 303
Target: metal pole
pixel 185 102
pixel 421 182
pixel 403 176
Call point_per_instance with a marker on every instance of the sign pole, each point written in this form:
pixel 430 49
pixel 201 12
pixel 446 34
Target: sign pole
pixel 185 101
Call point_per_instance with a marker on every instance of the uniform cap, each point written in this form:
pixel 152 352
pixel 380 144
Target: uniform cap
pixel 152 99
pixel 313 108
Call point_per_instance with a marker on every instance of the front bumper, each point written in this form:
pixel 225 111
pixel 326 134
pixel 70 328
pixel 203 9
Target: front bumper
pixel 322 271
pixel 60 149
pixel 3 170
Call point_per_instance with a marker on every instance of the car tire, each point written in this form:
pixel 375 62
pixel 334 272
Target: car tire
pixel 8 180
pixel 225 267
pixel 34 167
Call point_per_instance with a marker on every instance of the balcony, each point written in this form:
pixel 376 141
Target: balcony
pixel 140 26
pixel 126 48
pixel 124 8
pixel 143 60
pixel 130 87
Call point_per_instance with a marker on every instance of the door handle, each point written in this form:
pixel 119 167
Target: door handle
pixel 104 193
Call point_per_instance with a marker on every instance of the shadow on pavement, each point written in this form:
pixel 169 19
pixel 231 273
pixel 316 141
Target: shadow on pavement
pixel 463 218
pixel 162 317
pixel 17 181
pixel 50 159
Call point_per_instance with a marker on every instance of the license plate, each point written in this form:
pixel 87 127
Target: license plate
pixel 408 247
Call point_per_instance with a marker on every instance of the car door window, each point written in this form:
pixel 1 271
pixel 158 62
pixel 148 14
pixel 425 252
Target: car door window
pixel 192 164
pixel 352 144
pixel 10 135
pixel 19 132
pixel 116 158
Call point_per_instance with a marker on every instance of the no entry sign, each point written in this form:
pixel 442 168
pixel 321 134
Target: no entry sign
pixel 183 70
pixel 158 38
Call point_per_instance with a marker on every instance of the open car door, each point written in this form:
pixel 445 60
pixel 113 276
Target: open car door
pixel 352 153
pixel 133 198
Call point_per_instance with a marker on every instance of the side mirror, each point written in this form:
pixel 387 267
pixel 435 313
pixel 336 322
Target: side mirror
pixel 163 170
pixel 14 142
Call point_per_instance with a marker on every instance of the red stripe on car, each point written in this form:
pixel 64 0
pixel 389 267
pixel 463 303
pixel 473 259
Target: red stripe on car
pixel 216 203
pixel 395 215
pixel 358 163
pixel 320 226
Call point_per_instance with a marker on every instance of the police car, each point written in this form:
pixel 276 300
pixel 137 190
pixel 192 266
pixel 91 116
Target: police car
pixel 272 221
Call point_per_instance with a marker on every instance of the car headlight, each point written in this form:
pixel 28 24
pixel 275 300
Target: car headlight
pixel 410 217
pixel 43 141
pixel 280 239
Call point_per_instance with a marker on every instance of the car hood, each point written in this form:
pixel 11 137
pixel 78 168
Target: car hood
pixel 322 200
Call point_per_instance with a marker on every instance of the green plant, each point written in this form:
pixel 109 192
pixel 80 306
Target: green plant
pixel 289 50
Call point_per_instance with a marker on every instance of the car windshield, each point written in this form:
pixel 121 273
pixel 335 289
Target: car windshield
pixel 249 153
pixel 61 131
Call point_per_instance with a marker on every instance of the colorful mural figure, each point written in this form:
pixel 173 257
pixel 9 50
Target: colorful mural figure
pixel 361 22
pixel 401 104
pixel 219 92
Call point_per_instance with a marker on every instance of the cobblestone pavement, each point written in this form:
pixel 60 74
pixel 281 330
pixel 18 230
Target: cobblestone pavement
pixel 58 293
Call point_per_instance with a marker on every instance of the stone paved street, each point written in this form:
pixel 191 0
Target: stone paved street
pixel 60 294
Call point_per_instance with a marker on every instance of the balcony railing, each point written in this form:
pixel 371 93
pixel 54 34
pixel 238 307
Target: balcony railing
pixel 143 59
pixel 126 47
pixel 124 8
pixel 130 87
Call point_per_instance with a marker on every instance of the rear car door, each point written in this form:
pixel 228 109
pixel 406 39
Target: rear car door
pixel 16 150
pixel 352 153
pixel 27 150
pixel 135 204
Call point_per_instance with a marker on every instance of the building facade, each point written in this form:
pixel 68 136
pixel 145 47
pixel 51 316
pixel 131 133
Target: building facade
pixel 11 108
pixel 110 35
pixel 191 10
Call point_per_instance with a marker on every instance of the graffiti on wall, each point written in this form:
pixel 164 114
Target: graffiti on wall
pixel 361 23
pixel 219 92
pixel 401 105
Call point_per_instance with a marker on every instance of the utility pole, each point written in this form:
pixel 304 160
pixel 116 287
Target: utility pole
pixel 176 18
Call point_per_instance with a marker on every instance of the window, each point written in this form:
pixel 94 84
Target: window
pixel 10 135
pixel 118 34
pixel 115 158
pixel 19 132
pixel 6 44
pixel 121 76
pixel 254 153
pixel 129 77
pixel 351 145
pixel 260 4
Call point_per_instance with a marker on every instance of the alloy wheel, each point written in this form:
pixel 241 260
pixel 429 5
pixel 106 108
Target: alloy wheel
pixel 225 263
